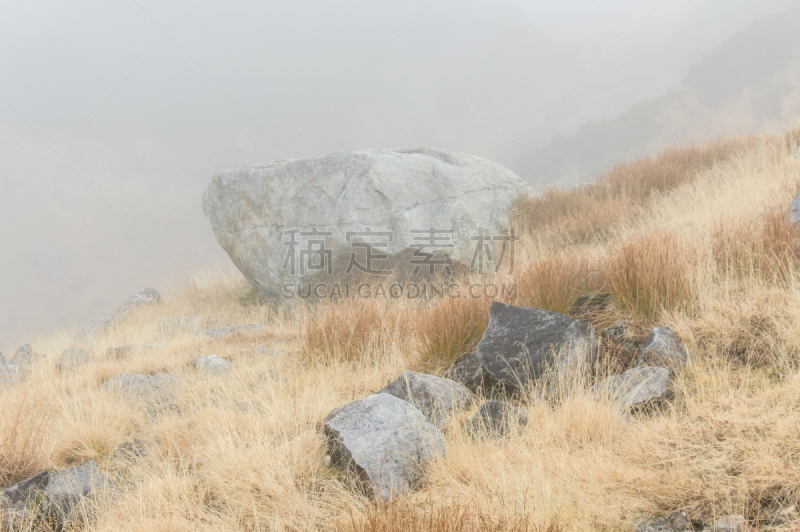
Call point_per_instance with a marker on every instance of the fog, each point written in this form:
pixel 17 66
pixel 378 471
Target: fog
pixel 115 115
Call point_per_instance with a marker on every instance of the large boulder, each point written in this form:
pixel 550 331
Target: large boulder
pixel 522 344
pixel 663 348
pixel 636 388
pixel 70 493
pixel 437 398
pixel 383 443
pixel 257 210
pixel 155 392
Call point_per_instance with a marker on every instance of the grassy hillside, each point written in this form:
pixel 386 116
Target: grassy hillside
pixel 695 238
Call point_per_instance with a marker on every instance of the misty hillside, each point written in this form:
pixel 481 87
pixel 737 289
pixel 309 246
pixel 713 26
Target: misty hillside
pixel 750 81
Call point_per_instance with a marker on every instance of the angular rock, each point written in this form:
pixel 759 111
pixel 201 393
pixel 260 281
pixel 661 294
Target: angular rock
pixel 226 332
pixel 636 388
pixel 663 348
pixel 122 352
pixel 383 443
pixel 733 523
pixel 521 344
pixel 674 522
pixel 170 327
pixel 25 491
pixel 156 392
pixel 69 493
pixel 438 399
pixel 26 356
pixel 496 419
pixel 393 191
pixel 72 359
pixel 591 304
pixel 212 364
pixel 467 371
pixel 338 410
pixel 145 296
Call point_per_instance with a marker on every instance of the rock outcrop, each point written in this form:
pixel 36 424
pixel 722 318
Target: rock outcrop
pixel 264 215
pixel 523 344
pixel 383 443
pixel 437 398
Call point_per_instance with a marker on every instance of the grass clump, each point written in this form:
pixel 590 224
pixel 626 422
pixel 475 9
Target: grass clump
pixel 450 328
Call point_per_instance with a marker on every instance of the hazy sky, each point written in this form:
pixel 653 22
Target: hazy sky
pixel 115 115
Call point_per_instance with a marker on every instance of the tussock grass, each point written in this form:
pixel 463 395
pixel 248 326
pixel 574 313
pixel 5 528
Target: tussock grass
pixel 694 238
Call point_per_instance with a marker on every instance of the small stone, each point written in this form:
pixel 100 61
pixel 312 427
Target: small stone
pixel 636 388
pixel 733 523
pixel 26 356
pixel 437 398
pixel 496 419
pixel 467 371
pixel 120 353
pixel 212 364
pixel 68 490
pixel 663 348
pixel 72 359
pixel 227 332
pixel 156 392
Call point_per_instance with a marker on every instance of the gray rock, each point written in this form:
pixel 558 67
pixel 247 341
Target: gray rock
pixel 383 443
pixel 591 304
pixel 732 523
pixel 10 376
pixel 663 348
pixel 212 364
pixel 438 399
pixel 144 297
pixel 72 359
pixel 226 332
pixel 70 492
pixel 265 351
pixel 523 344
pixel 338 410
pixel 25 491
pixel 2 359
pixel 794 210
pixel 636 388
pixel 156 392
pixel 386 190
pixel 674 522
pixel 174 326
pixel 467 371
pixel 26 356
pixel 120 353
pixel 496 419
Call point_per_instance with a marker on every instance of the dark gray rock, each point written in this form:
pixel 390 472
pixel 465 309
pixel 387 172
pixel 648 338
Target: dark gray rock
pixel 25 491
pixel 663 348
pixel 122 352
pixel 496 419
pixel 156 392
pixel 70 493
pixel 26 356
pixel 438 399
pixel 467 371
pixel 227 332
pixel 636 388
pixel 212 364
pixel 592 304
pixel 620 335
pixel 383 443
pixel 674 522
pixel 794 207
pixel 522 344
pixel 72 359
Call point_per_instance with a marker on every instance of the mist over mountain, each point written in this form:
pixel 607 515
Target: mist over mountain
pixel 113 118
pixel 750 81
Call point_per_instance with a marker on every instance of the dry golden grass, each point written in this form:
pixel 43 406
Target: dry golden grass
pixel 694 239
